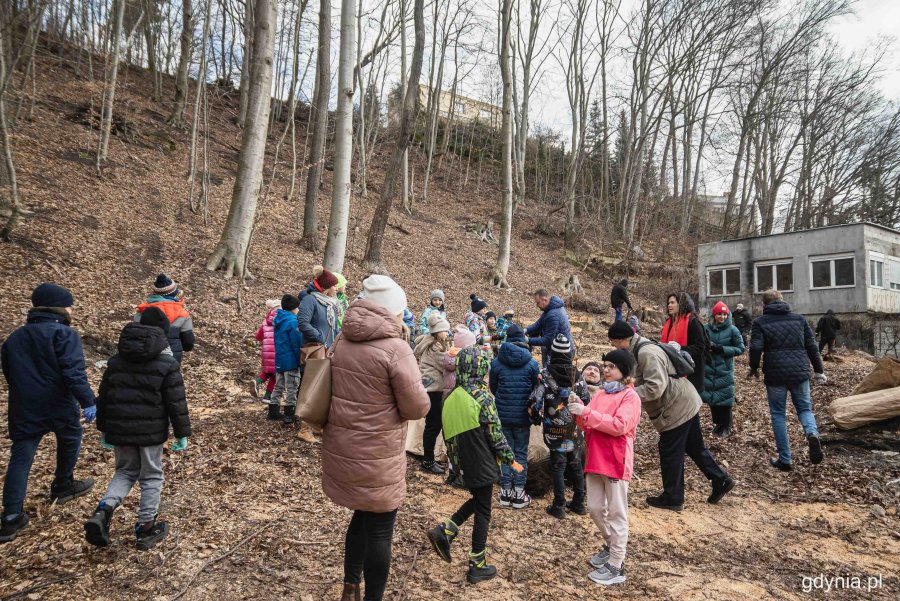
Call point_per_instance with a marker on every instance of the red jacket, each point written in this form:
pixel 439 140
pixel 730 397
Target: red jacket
pixel 609 424
pixel 266 335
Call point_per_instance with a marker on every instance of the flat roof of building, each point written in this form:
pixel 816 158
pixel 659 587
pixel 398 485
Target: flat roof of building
pixel 814 229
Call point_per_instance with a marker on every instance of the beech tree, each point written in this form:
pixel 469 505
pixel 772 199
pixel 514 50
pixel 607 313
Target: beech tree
pixel 498 275
pixel 184 60
pixel 232 248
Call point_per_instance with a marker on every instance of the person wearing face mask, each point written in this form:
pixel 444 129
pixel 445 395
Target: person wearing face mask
pixel 609 424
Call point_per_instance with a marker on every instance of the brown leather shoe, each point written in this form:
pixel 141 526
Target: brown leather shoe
pixel 351 592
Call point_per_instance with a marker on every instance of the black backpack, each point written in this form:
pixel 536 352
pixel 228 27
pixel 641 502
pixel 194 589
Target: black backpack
pixel 680 360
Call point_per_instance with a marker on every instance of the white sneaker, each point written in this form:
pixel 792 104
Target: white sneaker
pixel 521 500
pixel 608 575
pixel 598 560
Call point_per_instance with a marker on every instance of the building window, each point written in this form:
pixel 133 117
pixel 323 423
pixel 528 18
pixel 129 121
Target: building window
pixel 876 273
pixel 836 271
pixel 724 280
pixel 459 108
pixel 484 114
pixel 775 274
pixel 893 275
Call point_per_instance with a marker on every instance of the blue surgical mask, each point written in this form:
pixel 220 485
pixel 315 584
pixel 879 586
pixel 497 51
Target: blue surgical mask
pixel 613 387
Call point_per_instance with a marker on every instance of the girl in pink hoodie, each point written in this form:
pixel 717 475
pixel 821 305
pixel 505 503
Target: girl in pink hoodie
pixel 609 424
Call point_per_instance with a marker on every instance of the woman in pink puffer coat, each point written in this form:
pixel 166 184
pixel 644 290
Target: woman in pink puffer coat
pixel 266 335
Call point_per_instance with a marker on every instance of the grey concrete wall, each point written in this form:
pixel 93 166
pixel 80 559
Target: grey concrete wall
pixel 878 240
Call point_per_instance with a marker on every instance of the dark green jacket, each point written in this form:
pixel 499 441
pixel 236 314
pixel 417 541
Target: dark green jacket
pixel 475 442
pixel 719 377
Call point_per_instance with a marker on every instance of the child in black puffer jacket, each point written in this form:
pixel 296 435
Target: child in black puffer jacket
pixel 141 393
pixel 550 407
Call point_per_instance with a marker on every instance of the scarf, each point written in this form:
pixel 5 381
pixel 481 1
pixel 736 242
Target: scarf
pixel 563 372
pixel 676 329
pixel 331 307
pixel 613 387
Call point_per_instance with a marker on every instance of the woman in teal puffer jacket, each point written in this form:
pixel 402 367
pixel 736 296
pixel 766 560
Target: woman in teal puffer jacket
pixel 726 343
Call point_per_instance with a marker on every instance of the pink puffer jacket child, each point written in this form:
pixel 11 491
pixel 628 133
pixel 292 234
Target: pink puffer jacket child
pixel 266 335
pixel 609 424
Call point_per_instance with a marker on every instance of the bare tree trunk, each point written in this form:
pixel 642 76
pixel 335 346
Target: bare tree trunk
pixel 246 63
pixel 231 252
pixel 499 273
pixel 319 118
pixel 372 257
pixel 184 60
pixel 8 170
pixel 150 38
pixel 403 83
pixel 336 246
pixel 109 96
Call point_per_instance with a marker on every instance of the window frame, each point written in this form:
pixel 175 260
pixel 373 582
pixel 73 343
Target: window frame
pixel 892 264
pixel 876 257
pixel 723 269
pixel 831 259
pixel 774 264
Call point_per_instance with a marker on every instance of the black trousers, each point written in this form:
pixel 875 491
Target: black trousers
pixel 480 505
pixel 367 551
pixel 826 341
pixel 721 415
pixel 559 462
pixel 432 424
pixel 673 445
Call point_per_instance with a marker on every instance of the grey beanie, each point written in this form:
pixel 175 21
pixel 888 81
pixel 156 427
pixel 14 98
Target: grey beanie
pixel 437 294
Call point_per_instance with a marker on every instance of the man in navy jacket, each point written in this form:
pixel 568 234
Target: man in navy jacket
pixel 553 321
pixel 789 346
pixel 43 363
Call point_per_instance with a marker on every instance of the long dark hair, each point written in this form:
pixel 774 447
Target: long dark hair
pixel 685 303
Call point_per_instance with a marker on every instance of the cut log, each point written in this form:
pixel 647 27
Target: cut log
pixel 886 374
pixel 864 409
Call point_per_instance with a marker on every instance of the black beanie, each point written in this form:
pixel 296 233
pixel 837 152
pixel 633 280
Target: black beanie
pixel 289 302
pixel 51 295
pixel 620 330
pixel 153 316
pixel 477 303
pixel 490 314
pixel 622 359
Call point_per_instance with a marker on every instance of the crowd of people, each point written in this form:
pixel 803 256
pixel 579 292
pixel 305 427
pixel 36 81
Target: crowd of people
pixel 476 386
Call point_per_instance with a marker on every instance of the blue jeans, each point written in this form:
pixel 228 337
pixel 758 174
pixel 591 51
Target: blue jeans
pixel 619 313
pixel 21 458
pixel 518 440
pixel 778 410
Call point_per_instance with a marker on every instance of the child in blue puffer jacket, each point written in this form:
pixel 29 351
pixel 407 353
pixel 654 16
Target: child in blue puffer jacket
pixel 288 341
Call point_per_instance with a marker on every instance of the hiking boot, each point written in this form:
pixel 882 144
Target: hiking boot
pixel 505 496
pixel 815 449
pixel 306 434
pixel 520 500
pixel 351 592
pixel 479 570
pixel 433 467
pixel 557 511
pixel 290 415
pixel 96 529
pixel 441 536
pixel 717 430
pixel 720 489
pixel 598 560
pixel 661 502
pixel 778 464
pixel 579 509
pixel 63 493
pixel 274 412
pixel 9 529
pixel 148 535
pixel 608 575
pixel 726 432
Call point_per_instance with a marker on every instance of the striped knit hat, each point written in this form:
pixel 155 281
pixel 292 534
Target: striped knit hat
pixel 561 345
pixel 164 285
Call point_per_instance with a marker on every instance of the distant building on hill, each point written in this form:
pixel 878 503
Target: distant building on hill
pixel 463 108
pixel 853 269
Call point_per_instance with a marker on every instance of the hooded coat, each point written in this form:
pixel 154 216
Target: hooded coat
pixel 788 344
pixel 288 341
pixel 552 322
pixel 828 325
pixel 142 391
pixel 619 295
pixel 610 423
pixel 513 376
pixel 431 356
pixel 181 324
pixel 266 335
pixel 43 362
pixel 718 390
pixel 376 387
pixel 668 401
pixel 695 344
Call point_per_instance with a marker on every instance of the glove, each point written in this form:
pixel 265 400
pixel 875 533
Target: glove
pixel 716 349
pixel 820 379
pixel 576 408
pixel 753 374
pixel 517 467
pixel 90 413
pixel 105 444
pixel 179 445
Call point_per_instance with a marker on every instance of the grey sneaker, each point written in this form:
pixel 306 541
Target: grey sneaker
pixel 520 500
pixel 598 560
pixel 608 575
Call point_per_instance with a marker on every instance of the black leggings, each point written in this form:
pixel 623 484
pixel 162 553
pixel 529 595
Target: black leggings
pixel 480 505
pixel 367 550
pixel 432 424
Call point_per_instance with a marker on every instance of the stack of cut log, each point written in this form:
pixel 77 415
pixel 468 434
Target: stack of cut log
pixel 877 398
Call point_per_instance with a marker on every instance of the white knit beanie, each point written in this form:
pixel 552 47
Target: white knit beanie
pixel 437 323
pixel 382 290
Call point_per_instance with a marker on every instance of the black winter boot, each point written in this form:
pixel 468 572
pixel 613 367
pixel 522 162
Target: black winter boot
pixel 63 493
pixel 96 529
pixel 441 536
pixel 9 529
pixel 479 570
pixel 149 534
pixel 290 416
pixel 274 412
